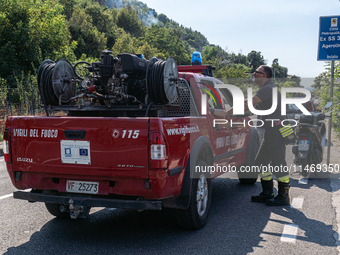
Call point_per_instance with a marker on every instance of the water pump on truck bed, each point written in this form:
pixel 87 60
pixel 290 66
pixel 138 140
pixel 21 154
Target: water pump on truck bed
pixel 119 86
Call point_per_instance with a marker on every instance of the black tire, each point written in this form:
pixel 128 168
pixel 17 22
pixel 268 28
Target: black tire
pixel 54 209
pixel 304 172
pixel 196 216
pixel 250 177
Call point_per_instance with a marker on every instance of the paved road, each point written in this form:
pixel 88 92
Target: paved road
pixel 236 226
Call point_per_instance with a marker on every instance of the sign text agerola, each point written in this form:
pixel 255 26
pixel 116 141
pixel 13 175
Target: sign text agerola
pixel 329 38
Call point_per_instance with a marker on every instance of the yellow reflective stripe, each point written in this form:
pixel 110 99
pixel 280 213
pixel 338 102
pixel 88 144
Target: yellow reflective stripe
pixel 266 176
pixel 284 179
pixel 284 128
pixel 287 126
pixel 287 133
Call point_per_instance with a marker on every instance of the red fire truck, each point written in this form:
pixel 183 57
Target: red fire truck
pixel 133 137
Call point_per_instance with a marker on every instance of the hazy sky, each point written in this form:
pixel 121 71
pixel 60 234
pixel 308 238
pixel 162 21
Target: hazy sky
pixel 287 30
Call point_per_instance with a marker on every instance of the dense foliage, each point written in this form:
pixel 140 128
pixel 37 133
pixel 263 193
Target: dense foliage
pixel 34 30
pixel 322 85
pixel 31 31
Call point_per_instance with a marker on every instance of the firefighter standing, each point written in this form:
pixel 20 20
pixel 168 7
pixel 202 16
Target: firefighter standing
pixel 272 151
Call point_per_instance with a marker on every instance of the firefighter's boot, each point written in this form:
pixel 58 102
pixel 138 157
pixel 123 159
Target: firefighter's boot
pixel 282 197
pixel 267 193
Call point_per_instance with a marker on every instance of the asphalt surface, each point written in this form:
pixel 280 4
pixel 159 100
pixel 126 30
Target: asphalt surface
pixel 235 226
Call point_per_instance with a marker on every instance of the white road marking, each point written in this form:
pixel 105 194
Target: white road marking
pixel 11 195
pixel 289 233
pixel 2 159
pixel 297 203
pixel 6 196
pixel 303 181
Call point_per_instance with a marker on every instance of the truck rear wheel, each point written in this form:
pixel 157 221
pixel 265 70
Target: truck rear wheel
pixel 54 209
pixel 249 177
pixel 196 216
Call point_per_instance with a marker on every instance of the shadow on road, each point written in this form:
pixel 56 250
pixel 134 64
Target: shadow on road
pixel 235 227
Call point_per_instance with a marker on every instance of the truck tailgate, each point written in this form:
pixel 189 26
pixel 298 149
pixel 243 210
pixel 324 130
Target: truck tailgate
pixel 92 146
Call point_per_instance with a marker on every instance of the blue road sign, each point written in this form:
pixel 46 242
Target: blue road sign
pixel 329 38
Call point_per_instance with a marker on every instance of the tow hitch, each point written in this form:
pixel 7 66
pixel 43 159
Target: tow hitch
pixel 77 210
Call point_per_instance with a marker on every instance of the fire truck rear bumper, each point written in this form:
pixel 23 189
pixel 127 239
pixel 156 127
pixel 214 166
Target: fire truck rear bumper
pixel 89 201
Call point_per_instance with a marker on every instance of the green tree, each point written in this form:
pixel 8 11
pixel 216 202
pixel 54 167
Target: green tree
pixel 3 92
pixel 124 44
pixel 213 54
pixel 239 59
pixel 167 44
pixel 163 18
pixel 147 50
pixel 90 40
pixel 105 21
pixel 68 7
pixel 279 71
pixel 321 90
pixel 255 60
pixel 127 19
pixel 30 31
pixel 237 71
pixel 228 65
pixel 296 79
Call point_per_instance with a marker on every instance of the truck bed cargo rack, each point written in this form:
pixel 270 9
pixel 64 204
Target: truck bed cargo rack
pixel 116 110
pixel 183 105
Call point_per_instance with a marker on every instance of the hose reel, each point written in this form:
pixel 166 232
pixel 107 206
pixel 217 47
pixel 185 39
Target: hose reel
pixel 55 82
pixel 161 80
pixel 62 81
pixel 124 80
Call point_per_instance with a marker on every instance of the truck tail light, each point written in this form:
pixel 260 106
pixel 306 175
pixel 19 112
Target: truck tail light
pixel 158 151
pixel 7 145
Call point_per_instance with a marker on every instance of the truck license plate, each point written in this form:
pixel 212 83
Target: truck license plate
pixel 303 145
pixel 82 187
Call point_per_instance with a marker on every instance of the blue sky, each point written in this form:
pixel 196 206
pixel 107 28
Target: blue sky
pixel 287 30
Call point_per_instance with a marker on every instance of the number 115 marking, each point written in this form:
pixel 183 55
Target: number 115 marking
pixel 130 134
